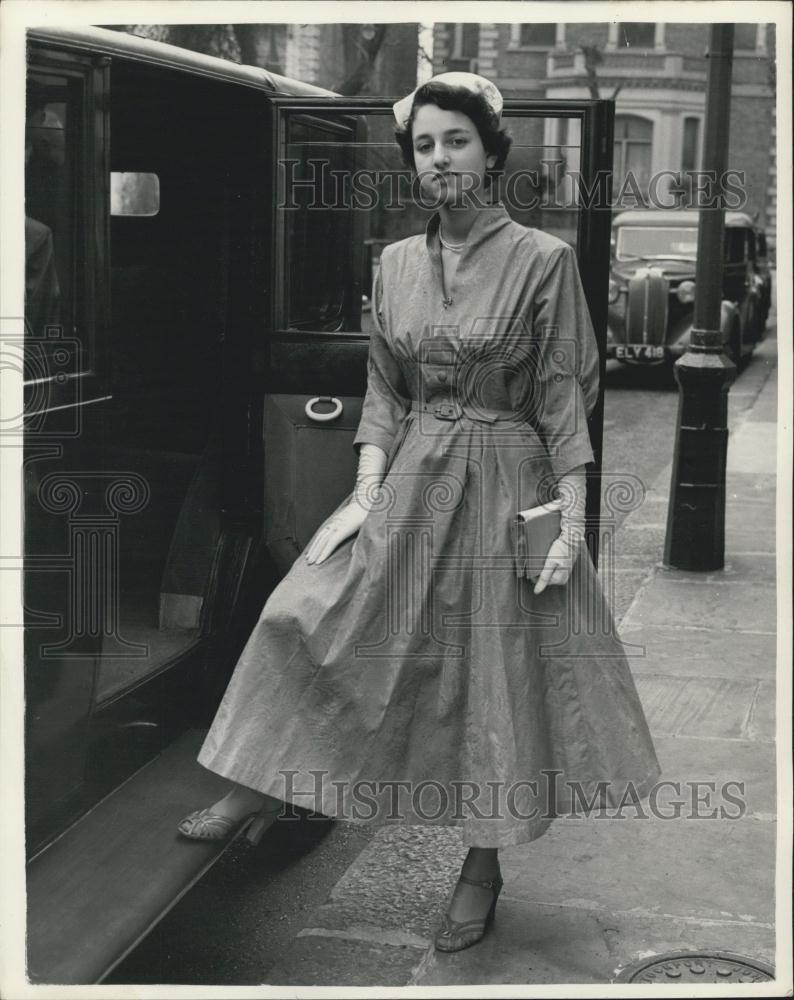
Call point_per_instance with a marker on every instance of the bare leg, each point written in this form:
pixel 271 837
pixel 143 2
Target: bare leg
pixel 471 902
pixel 241 801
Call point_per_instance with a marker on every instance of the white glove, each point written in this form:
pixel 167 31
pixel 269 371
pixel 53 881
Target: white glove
pixel 564 550
pixel 347 521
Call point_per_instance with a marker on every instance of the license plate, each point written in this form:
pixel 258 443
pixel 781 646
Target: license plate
pixel 654 352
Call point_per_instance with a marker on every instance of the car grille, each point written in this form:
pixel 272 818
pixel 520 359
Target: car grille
pixel 646 310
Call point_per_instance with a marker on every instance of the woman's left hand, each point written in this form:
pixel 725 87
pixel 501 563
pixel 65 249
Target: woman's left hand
pixel 564 550
pixel 559 563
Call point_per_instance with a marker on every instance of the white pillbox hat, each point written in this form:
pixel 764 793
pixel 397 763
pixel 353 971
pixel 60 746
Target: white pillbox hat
pixel 471 81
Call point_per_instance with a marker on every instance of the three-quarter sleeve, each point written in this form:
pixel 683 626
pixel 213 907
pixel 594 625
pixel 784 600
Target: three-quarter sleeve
pixel 386 401
pixel 567 362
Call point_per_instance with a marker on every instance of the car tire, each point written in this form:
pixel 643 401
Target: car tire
pixel 734 349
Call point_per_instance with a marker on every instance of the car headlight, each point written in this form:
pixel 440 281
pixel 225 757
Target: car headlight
pixel 686 291
pixel 614 290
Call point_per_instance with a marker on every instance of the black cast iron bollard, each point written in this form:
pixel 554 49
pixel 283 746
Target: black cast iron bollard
pixel 696 515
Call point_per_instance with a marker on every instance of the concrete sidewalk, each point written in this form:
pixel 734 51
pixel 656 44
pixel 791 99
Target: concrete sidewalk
pixel 593 895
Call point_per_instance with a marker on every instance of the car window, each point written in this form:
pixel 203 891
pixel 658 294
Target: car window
pixel 51 142
pixel 317 226
pixel 345 193
pixel 656 241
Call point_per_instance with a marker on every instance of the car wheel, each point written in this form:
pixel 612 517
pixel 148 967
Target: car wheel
pixel 734 349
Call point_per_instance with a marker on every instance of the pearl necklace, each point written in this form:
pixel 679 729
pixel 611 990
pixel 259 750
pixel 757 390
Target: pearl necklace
pixel 454 247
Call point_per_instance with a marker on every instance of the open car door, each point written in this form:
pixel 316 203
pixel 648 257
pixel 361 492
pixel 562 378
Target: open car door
pixel 341 192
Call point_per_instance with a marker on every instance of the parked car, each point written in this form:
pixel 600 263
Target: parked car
pixel 652 285
pixel 763 273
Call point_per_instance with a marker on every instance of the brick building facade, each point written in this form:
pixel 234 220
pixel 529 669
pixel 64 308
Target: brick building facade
pixel 657 73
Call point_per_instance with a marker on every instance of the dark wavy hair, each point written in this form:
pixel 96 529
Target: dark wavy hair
pixel 495 140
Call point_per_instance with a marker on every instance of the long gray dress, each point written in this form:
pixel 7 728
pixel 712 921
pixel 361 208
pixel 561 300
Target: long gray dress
pixel 412 676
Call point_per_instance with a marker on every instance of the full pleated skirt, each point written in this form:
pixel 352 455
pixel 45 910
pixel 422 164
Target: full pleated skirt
pixel 412 677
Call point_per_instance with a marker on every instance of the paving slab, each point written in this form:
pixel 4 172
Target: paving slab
pixel 740 604
pixel 743 501
pixel 766 408
pixel 696 652
pixel 746 539
pixel 529 943
pixel 540 944
pixel 708 707
pixel 704 869
pixel 749 486
pixel 761 723
pixel 740 770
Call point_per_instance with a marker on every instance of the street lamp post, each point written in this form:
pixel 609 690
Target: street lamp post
pixel 695 537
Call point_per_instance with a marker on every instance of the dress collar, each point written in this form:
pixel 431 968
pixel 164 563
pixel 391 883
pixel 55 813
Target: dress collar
pixel 487 221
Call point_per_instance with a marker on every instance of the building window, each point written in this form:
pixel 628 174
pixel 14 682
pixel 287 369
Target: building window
pixel 466 41
pixel 633 35
pixel 637 34
pixel 745 37
pixel 633 145
pixel 538 35
pixel 690 144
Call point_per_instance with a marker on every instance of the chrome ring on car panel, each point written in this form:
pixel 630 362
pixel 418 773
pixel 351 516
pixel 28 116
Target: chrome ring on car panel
pixel 323 417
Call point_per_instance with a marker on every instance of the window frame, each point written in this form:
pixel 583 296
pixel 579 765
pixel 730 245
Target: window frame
pixel 515 44
pixel 90 318
pixel 614 39
pixel 759 42
pixel 457 41
pixel 619 175
pixel 282 286
pixel 537 46
pixel 698 119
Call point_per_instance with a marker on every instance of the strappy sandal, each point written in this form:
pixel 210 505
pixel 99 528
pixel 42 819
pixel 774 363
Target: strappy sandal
pixel 455 935
pixel 205 825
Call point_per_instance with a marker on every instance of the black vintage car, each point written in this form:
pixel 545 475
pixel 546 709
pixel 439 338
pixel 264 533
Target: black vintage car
pixel 652 285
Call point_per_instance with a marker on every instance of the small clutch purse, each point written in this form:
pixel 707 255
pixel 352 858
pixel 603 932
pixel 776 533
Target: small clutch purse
pixel 533 531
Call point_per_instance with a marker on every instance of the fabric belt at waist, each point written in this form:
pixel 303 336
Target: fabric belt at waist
pixel 454 410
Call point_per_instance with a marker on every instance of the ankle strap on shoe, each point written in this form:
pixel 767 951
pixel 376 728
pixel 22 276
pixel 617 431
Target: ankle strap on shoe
pixel 486 884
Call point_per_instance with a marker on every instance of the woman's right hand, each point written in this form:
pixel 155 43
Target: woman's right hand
pixel 347 521
pixel 336 529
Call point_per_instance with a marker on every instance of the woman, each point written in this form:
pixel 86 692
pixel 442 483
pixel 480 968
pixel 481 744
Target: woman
pixel 402 646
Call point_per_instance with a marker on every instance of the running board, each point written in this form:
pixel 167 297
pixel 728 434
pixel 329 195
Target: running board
pixel 96 892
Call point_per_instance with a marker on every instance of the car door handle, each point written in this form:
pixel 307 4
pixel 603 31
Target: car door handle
pixel 323 418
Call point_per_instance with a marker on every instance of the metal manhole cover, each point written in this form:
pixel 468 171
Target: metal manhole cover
pixel 697 967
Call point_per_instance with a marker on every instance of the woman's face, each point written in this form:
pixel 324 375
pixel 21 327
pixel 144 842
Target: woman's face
pixel 449 155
